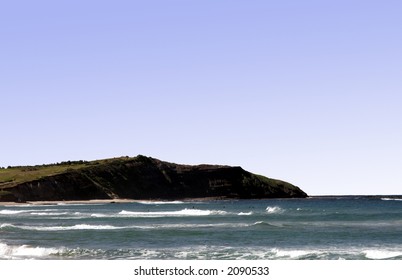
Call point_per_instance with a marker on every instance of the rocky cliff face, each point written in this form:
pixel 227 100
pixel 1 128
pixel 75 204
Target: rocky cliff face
pixel 147 178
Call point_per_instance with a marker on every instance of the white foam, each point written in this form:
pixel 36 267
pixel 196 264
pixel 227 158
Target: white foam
pixel 245 213
pixel 294 254
pixel 96 215
pixel 13 212
pixel 391 199
pixel 63 228
pixel 25 251
pixel 266 224
pixel 79 204
pixel 274 210
pixel 50 214
pixel 180 213
pixel 93 227
pixel 19 206
pixel 381 254
pixel 6 225
pixel 160 202
pixel 30 211
pixel 225 252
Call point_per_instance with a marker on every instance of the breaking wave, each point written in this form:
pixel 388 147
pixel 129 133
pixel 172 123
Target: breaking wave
pixel 53 213
pixel 274 210
pixel 160 202
pixel 62 228
pixel 30 211
pixel 14 212
pixel 26 252
pixel 179 213
pixel 381 254
pixel 391 199
pixel 262 223
pixel 195 253
pixel 245 213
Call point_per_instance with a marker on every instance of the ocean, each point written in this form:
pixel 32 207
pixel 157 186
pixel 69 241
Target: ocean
pixel 328 228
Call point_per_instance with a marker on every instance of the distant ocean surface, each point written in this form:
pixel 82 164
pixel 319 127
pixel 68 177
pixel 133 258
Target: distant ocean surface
pixel 351 228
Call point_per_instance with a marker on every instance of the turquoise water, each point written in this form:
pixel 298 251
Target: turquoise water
pixel 314 228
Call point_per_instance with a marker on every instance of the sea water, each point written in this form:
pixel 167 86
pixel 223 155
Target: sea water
pixel 327 228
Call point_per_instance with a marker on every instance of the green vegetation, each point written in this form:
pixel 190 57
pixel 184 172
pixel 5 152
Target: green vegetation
pixel 14 175
pixel 17 175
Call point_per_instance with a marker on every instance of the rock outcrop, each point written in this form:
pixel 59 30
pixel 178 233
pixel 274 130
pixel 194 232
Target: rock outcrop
pixel 148 178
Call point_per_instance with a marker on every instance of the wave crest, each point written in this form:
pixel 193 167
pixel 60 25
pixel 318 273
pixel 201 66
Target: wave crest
pixel 26 252
pixel 245 213
pixel 29 212
pixel 391 199
pixel 63 228
pixel 179 213
pixel 381 254
pixel 274 210
pixel 160 202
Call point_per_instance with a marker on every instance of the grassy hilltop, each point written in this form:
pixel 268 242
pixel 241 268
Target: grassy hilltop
pixel 13 175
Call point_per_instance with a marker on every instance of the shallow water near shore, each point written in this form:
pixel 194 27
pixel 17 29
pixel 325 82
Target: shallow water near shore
pixel 327 228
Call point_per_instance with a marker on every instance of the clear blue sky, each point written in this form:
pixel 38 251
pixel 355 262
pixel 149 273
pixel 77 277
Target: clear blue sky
pixel 306 91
